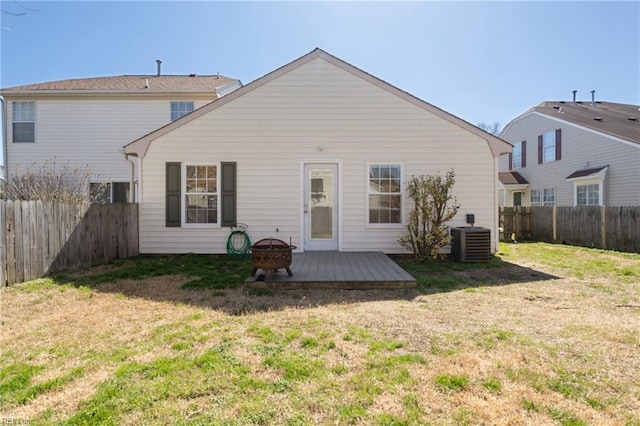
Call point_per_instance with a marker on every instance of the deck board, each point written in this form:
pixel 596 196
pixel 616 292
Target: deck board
pixel 338 270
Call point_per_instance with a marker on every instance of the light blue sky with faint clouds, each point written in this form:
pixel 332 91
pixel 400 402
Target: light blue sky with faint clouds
pixel 482 61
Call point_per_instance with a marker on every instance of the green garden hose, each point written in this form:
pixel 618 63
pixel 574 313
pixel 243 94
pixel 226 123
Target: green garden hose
pixel 238 243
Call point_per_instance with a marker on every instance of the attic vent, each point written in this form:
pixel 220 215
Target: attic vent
pixel 556 107
pixel 598 118
pixel 633 118
pixel 193 75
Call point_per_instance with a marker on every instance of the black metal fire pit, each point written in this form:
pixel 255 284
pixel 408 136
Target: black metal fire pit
pixel 271 254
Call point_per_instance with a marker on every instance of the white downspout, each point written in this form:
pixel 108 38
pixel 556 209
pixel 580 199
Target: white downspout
pixel 4 139
pixel 131 178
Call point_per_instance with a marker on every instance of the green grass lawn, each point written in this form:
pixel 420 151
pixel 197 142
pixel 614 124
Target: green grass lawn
pixel 543 334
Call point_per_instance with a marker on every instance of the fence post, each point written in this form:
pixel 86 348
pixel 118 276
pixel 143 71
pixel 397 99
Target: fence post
pixel 603 226
pixel 3 245
pixel 554 224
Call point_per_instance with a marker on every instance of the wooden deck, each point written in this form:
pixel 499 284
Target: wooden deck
pixel 337 270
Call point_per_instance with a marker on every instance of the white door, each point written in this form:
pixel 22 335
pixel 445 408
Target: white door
pixel 321 206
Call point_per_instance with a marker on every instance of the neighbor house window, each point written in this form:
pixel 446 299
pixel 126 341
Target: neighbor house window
pixel 109 192
pixel 518 155
pixel 179 109
pixel 588 186
pixel 23 116
pixel 548 196
pixel 588 195
pixel 201 194
pixel 550 146
pixel 384 190
pixel 535 197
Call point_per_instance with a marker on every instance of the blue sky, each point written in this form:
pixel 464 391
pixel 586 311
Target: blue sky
pixel 482 61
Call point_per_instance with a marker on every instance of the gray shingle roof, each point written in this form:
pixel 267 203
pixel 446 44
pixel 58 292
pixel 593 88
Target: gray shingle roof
pixel 620 120
pixel 130 83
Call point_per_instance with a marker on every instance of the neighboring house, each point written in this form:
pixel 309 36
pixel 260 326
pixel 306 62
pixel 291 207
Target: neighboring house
pixel 572 153
pixel 318 151
pixel 87 121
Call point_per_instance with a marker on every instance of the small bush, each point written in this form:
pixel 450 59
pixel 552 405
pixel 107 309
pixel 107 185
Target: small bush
pixel 427 232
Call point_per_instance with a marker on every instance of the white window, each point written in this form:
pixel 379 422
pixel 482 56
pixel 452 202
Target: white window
pixel 588 195
pixel 384 194
pixel 179 109
pixel 201 200
pixel 549 147
pixel 535 197
pixel 23 116
pixel 517 156
pixel 548 196
pixel 588 186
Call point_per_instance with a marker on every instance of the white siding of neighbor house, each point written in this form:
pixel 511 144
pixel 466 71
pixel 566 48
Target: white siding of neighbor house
pixel 271 130
pixel 580 147
pixel 87 132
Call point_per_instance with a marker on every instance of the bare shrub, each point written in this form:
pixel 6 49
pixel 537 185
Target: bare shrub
pixel 434 205
pixel 49 182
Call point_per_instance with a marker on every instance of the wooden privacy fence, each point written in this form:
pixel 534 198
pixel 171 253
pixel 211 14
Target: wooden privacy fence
pixel 605 227
pixel 39 238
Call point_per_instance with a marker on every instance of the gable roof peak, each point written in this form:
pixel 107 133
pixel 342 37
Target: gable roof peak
pixel 497 146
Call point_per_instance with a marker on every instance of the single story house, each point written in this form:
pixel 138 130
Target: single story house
pixel 317 151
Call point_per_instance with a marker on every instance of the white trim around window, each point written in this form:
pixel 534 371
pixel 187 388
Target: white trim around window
pixel 548 196
pixel 589 187
pixel 516 158
pixel 23 121
pixel 536 197
pixel 201 186
pixel 549 147
pixel 180 109
pixel 385 195
pixel 588 194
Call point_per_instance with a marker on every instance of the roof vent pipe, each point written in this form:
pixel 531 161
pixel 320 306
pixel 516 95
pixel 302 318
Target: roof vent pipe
pixel 574 95
pixel 593 98
pixel 159 62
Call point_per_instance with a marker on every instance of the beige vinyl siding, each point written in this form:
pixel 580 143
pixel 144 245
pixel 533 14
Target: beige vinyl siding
pixel 273 129
pixel 580 148
pixel 88 132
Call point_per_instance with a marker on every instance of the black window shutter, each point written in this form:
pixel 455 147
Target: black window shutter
pixel 558 144
pixel 510 161
pixel 540 149
pixel 524 153
pixel 228 194
pixel 173 195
